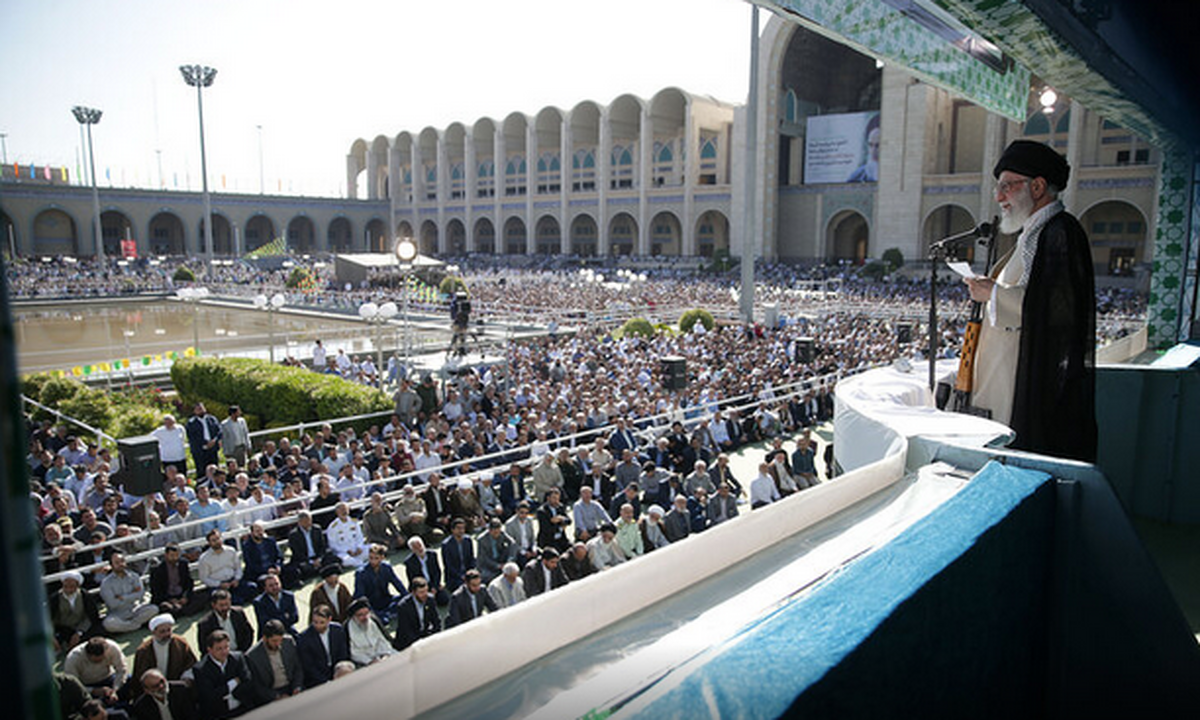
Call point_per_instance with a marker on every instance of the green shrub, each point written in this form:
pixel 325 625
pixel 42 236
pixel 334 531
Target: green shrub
pixel 696 315
pixel 893 258
pixel 32 384
pixel 275 395
pixel 451 284
pixel 874 269
pixel 90 406
pixel 184 274
pixel 637 326
pixel 300 277
pixel 134 420
pixel 57 390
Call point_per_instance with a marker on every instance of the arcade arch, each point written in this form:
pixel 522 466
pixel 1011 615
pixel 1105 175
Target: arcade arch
pixel 847 237
pixel 115 226
pixel 712 233
pixel 622 234
pixel 485 236
pixel 945 221
pixel 55 233
pixel 429 238
pixel 301 235
pixel 549 235
pixel 666 235
pixel 456 237
pixel 167 234
pixel 1117 231
pixel 375 236
pixel 584 236
pixel 515 236
pixel 222 235
pixel 260 230
pixel 340 236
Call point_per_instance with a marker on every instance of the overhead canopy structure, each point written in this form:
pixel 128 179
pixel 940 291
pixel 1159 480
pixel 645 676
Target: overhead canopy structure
pixel 1126 60
pixel 1129 60
pixel 354 268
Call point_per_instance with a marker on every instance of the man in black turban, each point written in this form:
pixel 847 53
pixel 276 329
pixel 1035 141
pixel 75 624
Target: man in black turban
pixel 1034 366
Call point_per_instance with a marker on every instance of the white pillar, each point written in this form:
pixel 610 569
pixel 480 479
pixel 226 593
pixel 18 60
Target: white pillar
pixel 645 146
pixel 564 184
pixel 500 181
pixel 603 174
pixel 531 151
pixel 691 149
pixel 470 187
pixel 443 192
pixel 1075 154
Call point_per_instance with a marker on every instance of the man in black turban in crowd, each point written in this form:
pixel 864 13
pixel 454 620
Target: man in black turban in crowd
pixel 1034 366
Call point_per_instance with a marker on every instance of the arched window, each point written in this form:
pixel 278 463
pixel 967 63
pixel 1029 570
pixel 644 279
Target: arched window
pixel 789 106
pixel 583 170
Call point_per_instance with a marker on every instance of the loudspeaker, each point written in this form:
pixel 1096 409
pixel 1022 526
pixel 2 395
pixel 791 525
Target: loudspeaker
pixel 805 349
pixel 141 467
pixel 904 333
pixel 674 371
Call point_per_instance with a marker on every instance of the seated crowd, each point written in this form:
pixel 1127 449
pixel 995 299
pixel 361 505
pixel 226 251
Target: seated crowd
pixel 486 507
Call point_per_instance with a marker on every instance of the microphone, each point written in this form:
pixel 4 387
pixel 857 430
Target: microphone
pixel 986 229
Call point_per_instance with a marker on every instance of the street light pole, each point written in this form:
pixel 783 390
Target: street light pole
pixel 200 77
pixel 276 302
pixel 262 186
pixel 406 252
pixel 89 117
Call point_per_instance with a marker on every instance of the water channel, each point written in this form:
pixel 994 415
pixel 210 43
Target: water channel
pixel 64 336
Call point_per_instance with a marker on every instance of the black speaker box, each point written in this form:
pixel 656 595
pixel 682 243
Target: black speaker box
pixel 805 349
pixel 674 371
pixel 141 467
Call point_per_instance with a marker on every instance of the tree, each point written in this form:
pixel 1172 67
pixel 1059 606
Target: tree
pixel 893 258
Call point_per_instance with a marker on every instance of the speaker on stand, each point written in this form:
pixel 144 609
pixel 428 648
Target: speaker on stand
pixel 674 371
pixel 141 467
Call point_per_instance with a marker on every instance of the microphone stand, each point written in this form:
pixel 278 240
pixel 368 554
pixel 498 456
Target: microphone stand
pixel 937 253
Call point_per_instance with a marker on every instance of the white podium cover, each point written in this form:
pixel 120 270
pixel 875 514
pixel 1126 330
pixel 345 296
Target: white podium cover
pixel 876 412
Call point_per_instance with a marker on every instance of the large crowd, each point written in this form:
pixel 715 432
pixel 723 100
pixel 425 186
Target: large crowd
pixel 503 482
pixel 564 461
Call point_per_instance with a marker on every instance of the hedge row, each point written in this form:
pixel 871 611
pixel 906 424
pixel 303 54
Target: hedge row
pixel 120 414
pixel 272 394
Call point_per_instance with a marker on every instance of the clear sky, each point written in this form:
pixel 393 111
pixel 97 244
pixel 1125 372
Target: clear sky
pixel 317 74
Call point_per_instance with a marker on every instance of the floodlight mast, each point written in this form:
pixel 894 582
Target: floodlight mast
pixel 88 117
pixel 200 77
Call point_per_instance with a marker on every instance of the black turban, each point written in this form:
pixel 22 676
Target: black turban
pixel 1034 159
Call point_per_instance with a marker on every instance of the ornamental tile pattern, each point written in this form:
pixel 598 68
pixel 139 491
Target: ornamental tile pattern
pixel 1174 242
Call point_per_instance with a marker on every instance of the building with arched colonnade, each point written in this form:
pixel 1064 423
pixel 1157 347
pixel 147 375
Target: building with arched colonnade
pixel 633 177
pixel 663 175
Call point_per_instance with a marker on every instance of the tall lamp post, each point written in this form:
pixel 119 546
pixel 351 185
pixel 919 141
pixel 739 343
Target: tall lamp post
pixel 378 315
pixel 89 117
pixel 406 252
pixel 193 296
pixel 274 303
pixel 200 77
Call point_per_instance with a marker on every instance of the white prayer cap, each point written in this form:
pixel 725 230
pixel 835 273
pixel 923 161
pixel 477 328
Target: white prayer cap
pixel 654 510
pixel 464 484
pixel 72 575
pixel 161 619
